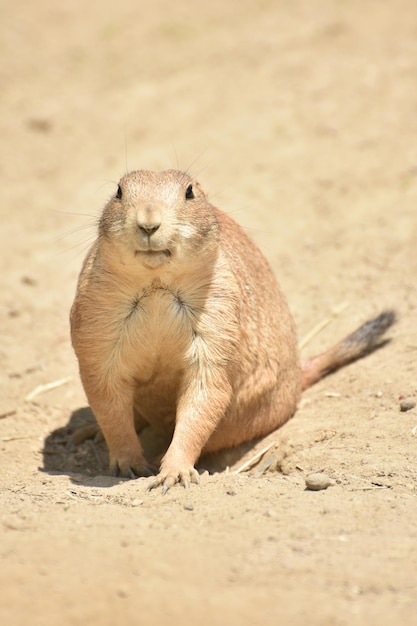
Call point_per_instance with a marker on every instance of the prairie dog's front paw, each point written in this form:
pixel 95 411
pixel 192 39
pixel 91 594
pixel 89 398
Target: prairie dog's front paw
pixel 168 477
pixel 130 466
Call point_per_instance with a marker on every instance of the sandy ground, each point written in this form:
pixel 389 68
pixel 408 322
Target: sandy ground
pixel 300 119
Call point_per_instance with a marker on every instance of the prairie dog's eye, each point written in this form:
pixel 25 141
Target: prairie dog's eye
pixel 189 193
pixel 119 193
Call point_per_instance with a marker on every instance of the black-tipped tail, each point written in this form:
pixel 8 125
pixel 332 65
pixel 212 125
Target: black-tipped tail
pixel 367 336
pixel 365 339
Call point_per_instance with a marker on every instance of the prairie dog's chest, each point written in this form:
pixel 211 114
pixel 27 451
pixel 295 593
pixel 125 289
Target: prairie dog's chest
pixel 157 331
pixel 162 314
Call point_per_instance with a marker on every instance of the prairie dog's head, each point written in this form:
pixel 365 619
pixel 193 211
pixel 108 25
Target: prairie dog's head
pixel 158 217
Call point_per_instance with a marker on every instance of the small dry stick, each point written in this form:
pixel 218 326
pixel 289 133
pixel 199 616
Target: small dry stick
pixel 265 465
pixel 325 322
pixel 17 437
pixel 42 388
pixel 255 458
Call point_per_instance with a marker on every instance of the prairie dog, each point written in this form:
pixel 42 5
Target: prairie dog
pixel 179 322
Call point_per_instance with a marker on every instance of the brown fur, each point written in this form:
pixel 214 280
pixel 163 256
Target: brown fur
pixel 178 322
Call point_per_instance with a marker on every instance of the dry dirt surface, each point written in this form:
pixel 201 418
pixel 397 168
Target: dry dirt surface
pixel 300 120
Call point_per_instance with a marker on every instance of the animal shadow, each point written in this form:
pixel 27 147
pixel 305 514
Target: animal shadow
pixel 78 448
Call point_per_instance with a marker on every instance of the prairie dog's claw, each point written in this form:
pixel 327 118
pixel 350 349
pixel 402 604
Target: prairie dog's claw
pixel 166 480
pixel 133 473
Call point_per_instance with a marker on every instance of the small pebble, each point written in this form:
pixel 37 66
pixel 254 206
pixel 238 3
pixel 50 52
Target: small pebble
pixel 136 502
pixel 188 507
pixel 316 482
pixel 406 405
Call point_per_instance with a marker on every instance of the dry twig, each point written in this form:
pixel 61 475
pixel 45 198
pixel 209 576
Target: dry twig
pixel 265 465
pixel 17 437
pixel 253 459
pixel 42 388
pixel 325 322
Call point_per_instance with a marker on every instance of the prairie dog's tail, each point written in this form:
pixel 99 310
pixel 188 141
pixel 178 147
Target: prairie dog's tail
pixel 354 346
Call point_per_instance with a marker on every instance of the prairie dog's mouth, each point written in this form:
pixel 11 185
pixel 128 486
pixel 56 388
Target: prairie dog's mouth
pixel 153 259
pixel 152 252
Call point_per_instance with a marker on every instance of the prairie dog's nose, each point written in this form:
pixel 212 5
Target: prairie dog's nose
pixel 149 229
pixel 148 219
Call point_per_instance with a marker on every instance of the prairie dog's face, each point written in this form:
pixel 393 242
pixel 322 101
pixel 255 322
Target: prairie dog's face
pixel 157 217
